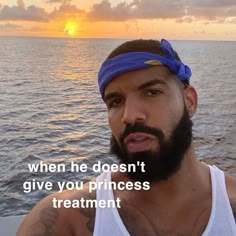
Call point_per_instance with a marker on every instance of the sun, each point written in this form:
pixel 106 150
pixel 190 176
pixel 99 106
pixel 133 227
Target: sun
pixel 71 28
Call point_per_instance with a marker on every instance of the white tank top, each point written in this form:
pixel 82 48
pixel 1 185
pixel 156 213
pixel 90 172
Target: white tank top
pixel 221 222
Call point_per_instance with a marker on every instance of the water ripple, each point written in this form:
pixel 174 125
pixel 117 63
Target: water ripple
pixel 51 109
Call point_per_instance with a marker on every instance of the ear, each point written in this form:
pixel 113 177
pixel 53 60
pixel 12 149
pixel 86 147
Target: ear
pixel 191 100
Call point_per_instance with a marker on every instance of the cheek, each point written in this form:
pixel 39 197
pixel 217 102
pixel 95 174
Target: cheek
pixel 166 119
pixel 174 117
pixel 115 124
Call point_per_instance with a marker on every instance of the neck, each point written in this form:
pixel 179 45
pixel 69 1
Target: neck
pixel 191 174
pixel 190 180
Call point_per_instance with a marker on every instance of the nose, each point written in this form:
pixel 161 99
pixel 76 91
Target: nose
pixel 134 112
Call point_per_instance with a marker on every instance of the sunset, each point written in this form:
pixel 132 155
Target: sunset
pixel 118 117
pixel 197 20
pixel 71 28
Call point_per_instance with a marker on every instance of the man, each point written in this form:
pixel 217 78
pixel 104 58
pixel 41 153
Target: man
pixel 150 103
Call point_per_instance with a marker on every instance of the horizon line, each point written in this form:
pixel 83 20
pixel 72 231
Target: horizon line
pixel 111 38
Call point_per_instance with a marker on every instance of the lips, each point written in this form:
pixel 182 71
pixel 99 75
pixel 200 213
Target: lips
pixel 138 142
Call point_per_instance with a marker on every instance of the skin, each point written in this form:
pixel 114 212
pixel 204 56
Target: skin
pixel 179 206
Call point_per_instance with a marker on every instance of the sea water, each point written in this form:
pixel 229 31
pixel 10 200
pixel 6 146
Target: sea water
pixel 51 110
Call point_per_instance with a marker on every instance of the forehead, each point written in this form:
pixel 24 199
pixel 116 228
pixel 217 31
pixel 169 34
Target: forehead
pixel 133 79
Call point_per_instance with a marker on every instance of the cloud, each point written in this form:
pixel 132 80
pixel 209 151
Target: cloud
pixel 54 1
pixel 10 27
pixel 232 20
pixel 232 11
pixel 185 19
pixel 211 3
pixel 36 28
pixel 138 9
pixel 211 11
pixel 150 9
pixel 63 2
pixel 104 11
pixel 20 12
pixel 67 10
pixel 34 13
pixel 20 3
pixel 182 10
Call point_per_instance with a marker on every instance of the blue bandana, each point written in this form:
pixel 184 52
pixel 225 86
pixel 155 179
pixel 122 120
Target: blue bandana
pixel 140 60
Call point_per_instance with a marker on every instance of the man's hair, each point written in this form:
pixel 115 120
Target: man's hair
pixel 140 45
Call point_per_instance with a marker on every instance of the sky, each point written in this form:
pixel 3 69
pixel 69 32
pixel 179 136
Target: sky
pixel 171 19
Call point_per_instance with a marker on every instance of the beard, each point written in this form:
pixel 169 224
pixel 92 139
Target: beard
pixel 159 164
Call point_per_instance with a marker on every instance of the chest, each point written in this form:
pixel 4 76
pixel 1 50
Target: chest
pixel 185 223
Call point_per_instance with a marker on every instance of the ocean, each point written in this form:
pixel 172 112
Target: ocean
pixel 51 110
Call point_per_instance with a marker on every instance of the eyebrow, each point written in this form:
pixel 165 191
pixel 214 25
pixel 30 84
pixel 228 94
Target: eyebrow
pixel 151 83
pixel 110 96
pixel 140 87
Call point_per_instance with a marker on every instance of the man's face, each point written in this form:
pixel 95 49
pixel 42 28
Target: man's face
pixel 149 121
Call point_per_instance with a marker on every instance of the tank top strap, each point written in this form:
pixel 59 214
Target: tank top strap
pixel 107 220
pixel 221 220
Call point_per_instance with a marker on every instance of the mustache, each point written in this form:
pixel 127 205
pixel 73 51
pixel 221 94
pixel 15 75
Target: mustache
pixel 138 127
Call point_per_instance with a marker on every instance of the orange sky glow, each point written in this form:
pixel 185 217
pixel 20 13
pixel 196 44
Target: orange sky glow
pixel 199 20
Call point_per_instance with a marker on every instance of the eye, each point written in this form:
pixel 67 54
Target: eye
pixel 115 102
pixel 153 92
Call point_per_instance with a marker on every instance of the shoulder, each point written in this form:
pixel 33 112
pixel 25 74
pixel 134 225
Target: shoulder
pixel 231 186
pixel 231 189
pixel 55 215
